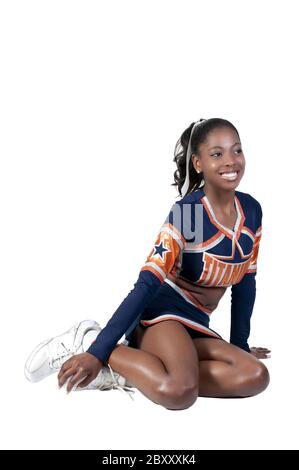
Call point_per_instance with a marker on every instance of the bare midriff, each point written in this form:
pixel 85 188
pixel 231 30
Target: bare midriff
pixel 208 296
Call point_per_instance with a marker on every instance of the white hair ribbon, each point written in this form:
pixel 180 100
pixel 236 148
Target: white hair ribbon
pixel 186 184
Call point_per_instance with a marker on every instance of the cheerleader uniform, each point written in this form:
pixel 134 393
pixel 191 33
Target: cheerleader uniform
pixel 193 261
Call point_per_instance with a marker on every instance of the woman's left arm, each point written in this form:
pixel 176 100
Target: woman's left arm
pixel 243 298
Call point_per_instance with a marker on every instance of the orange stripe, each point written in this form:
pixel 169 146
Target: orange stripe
pixel 175 230
pixel 248 230
pixel 156 273
pixel 152 322
pixel 250 270
pixel 242 218
pixel 210 240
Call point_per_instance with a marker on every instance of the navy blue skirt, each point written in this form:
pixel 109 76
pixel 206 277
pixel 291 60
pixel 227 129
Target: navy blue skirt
pixel 168 304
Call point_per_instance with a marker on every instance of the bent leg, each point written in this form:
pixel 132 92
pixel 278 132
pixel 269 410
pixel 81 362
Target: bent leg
pixel 164 365
pixel 228 371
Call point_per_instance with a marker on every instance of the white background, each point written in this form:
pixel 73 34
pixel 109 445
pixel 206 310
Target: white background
pixel 94 96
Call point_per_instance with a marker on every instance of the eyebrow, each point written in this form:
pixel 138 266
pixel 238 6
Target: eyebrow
pixel 219 147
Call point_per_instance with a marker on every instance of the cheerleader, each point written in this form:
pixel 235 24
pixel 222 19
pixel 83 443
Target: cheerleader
pixel 208 242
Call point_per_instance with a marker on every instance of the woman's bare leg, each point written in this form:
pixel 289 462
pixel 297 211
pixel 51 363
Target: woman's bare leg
pixel 227 371
pixel 163 366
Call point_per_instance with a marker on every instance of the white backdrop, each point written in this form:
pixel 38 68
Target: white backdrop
pixel 94 96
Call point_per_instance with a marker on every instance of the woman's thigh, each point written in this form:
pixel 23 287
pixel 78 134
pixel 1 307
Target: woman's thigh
pixel 214 349
pixel 244 363
pixel 171 343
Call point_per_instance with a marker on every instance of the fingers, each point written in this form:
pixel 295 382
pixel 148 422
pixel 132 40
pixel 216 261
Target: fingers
pixel 260 355
pixel 85 382
pixel 66 375
pixel 79 369
pixel 264 350
pixel 64 367
pixel 76 379
pixel 71 368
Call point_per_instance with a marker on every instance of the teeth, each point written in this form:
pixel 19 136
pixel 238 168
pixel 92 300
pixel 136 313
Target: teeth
pixel 230 175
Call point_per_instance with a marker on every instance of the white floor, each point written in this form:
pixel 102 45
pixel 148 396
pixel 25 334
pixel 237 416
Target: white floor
pixel 40 416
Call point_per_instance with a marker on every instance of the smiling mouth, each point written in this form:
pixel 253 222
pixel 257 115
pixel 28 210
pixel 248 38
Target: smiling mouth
pixel 229 175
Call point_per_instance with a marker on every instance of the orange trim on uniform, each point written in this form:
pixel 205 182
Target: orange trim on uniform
pixel 209 241
pixel 176 231
pixel 239 229
pixel 197 328
pixel 152 270
pixel 247 229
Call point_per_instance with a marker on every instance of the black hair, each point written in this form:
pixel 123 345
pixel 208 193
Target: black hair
pixel 199 136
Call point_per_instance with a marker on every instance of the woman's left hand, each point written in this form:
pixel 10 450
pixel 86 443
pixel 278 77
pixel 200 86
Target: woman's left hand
pixel 260 353
pixel 79 370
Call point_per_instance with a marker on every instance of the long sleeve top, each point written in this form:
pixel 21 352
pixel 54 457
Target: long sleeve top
pixel 192 245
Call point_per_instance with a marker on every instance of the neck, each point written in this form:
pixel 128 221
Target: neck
pixel 219 198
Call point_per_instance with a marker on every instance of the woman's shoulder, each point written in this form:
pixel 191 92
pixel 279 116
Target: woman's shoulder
pixel 193 197
pixel 248 202
pixel 248 199
pixel 196 195
pixel 252 207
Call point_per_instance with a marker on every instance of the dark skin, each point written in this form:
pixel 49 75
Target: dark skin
pixel 81 368
pixel 221 152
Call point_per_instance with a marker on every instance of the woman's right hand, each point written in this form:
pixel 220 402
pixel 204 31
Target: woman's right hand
pixel 81 368
pixel 260 353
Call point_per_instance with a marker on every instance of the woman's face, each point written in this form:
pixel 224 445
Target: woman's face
pixel 222 153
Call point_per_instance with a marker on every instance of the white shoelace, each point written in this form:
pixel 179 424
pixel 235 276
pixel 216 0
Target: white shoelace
pixel 58 361
pixel 123 388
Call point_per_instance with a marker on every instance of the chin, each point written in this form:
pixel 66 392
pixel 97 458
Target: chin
pixel 228 185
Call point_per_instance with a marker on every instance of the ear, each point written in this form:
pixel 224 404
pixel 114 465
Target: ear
pixel 196 162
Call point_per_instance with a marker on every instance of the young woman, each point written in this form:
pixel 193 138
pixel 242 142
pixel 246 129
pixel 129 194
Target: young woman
pixel 208 242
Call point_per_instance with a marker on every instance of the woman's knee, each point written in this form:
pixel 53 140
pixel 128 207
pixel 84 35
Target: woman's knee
pixel 178 394
pixel 262 377
pixel 255 378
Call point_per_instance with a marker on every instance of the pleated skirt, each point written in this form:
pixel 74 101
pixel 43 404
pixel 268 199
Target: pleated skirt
pixel 168 304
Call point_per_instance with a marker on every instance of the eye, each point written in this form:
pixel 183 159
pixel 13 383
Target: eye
pixel 217 153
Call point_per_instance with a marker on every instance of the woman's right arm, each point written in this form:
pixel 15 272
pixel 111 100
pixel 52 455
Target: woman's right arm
pixel 163 256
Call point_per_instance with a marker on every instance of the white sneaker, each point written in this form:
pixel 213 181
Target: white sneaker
pixel 108 379
pixel 49 355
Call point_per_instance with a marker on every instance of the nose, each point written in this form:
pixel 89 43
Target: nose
pixel 229 161
pixel 229 166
